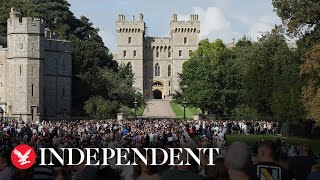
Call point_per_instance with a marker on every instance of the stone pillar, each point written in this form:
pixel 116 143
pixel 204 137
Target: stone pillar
pixel 197 116
pixel 121 117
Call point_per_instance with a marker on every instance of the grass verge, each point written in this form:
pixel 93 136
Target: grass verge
pixel 178 110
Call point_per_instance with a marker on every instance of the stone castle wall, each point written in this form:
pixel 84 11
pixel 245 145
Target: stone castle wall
pixel 145 54
pixel 37 74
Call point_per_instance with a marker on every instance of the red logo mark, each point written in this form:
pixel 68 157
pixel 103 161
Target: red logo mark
pixel 23 156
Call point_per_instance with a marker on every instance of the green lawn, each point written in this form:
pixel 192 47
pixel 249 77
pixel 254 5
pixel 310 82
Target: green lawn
pixel 139 111
pixel 178 109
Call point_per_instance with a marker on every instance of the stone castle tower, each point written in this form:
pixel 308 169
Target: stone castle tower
pixel 35 70
pixel 156 62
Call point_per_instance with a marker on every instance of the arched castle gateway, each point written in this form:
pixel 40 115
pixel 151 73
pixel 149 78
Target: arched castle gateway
pixel 156 61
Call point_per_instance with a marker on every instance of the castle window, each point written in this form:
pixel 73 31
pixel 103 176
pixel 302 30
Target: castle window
pixel 169 54
pixel 180 53
pixel 130 40
pixel 169 84
pixel 129 68
pixel 157 70
pixel 32 90
pixel 190 52
pixel 20 70
pixel 134 53
pixel 124 53
pixel 169 71
pixel 157 54
pixel 185 40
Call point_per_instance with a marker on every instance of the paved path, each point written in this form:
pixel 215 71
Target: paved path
pixel 159 108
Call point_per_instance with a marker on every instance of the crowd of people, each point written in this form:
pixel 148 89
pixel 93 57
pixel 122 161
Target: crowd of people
pixel 263 160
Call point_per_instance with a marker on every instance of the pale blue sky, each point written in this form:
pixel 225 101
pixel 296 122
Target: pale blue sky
pixel 225 19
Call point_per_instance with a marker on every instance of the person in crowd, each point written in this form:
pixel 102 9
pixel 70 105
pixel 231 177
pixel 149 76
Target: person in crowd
pixel 267 166
pixel 315 173
pixel 108 173
pixel 185 172
pixel 6 169
pixel 85 171
pixel 62 174
pixel 161 133
pixel 144 171
pixel 42 173
pixel 237 160
pixel 218 171
pixel 301 165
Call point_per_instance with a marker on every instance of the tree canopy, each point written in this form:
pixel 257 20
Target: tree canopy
pixel 208 80
pixel 251 80
pixel 302 19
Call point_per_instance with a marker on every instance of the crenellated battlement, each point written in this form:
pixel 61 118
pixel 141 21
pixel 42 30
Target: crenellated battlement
pixel 57 45
pixel 132 26
pixel 17 24
pixel 190 26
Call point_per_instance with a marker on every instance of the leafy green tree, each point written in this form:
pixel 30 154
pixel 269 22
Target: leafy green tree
pixel 244 112
pixel 310 71
pixel 298 16
pixel 301 19
pixel 99 108
pixel 271 79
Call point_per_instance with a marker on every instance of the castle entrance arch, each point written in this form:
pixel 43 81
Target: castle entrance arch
pixel 157 94
pixel 158 90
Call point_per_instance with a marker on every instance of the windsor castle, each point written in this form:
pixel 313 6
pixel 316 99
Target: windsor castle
pixel 36 67
pixel 156 62
pixel 35 71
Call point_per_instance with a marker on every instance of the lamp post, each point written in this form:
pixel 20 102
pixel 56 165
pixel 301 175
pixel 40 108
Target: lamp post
pixel 135 108
pixel 184 109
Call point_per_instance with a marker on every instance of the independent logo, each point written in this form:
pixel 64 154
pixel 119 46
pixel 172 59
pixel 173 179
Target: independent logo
pixel 23 156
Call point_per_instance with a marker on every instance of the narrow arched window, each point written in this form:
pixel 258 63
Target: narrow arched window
pixel 169 70
pixel 157 70
pixel 129 67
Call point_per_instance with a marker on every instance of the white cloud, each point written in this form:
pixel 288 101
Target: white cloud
pixel 109 40
pixel 262 25
pixel 242 18
pixel 211 19
pixel 258 29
